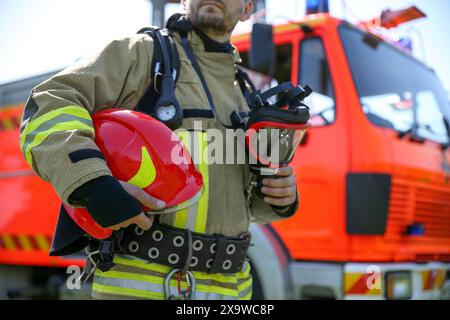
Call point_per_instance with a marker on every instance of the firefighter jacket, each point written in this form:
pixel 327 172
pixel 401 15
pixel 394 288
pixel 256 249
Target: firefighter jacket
pixel 57 122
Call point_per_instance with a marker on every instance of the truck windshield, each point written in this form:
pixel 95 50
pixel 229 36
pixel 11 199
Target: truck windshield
pixel 395 90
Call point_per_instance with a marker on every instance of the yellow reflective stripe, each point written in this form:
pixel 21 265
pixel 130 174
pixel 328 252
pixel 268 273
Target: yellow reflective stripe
pixel 163 269
pixel 71 110
pixel 9 243
pixel 42 243
pixel 202 212
pixel 7 124
pixel 160 281
pixel 195 217
pixel 141 264
pixel 182 215
pixel 181 218
pixel 125 291
pixel 146 174
pixel 247 297
pixel 25 242
pixel 244 274
pixel 245 285
pixel 60 127
pixel 130 276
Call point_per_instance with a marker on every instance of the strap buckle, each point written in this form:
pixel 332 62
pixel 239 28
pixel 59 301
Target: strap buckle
pixel 157 77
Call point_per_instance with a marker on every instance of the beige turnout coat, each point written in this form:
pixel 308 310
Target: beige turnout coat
pixel 58 123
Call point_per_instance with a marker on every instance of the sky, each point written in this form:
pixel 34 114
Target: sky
pixel 47 35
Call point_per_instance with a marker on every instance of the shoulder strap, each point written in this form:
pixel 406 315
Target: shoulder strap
pixel 165 63
pixel 166 57
pixel 246 84
pixel 191 56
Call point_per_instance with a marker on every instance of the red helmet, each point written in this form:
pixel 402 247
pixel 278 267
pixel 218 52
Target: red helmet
pixel 144 152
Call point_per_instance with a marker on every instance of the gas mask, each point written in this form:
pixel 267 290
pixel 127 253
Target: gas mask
pixel 274 128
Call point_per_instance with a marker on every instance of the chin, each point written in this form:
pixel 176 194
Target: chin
pixel 211 11
pixel 211 21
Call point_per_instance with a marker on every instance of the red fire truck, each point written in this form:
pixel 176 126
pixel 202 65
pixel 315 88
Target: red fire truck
pixel 373 174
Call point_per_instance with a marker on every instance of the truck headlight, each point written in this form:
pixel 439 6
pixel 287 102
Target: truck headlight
pixel 398 285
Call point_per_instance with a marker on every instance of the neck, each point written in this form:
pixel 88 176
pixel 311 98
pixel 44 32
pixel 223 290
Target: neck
pixel 219 37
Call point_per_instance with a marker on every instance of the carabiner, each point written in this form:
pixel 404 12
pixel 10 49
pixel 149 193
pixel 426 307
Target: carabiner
pixel 189 294
pixel 89 268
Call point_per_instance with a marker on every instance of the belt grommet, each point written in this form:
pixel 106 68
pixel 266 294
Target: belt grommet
pixel 209 263
pixel 226 265
pixel 138 231
pixel 133 246
pixel 231 249
pixel 194 262
pixel 157 235
pixel 178 241
pixel 153 253
pixel 213 248
pixel 197 245
pixel 174 258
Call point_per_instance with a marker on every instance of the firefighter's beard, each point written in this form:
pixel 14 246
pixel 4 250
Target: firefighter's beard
pixel 210 22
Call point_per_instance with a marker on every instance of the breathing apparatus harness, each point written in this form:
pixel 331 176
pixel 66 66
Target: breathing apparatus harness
pixel 159 101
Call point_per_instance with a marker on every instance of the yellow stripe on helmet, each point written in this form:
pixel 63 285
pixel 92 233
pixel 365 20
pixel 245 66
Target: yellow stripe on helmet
pixel 146 174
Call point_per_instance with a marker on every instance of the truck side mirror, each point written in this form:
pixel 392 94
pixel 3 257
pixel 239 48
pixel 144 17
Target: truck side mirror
pixel 262 53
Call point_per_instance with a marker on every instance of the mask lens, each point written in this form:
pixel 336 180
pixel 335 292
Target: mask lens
pixel 275 146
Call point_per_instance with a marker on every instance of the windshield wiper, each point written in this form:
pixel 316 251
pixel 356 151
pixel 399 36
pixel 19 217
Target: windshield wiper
pixel 412 132
pixel 414 136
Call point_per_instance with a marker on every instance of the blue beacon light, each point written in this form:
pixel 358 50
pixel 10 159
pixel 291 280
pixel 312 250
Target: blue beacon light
pixel 317 6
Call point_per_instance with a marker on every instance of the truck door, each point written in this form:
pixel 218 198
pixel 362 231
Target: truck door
pixel 321 162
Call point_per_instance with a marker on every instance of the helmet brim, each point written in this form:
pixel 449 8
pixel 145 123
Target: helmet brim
pixel 184 205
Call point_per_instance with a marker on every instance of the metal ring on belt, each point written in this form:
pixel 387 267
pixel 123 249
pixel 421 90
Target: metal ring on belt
pixel 172 247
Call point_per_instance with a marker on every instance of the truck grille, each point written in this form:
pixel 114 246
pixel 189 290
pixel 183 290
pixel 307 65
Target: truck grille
pixel 433 210
pixel 418 203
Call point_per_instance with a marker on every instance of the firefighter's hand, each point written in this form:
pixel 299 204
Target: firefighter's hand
pixel 282 191
pixel 142 220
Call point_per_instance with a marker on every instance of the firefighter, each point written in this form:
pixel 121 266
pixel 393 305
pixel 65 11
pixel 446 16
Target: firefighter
pixel 59 145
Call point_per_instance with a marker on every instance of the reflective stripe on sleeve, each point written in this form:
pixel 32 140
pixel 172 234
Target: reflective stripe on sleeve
pixel 60 120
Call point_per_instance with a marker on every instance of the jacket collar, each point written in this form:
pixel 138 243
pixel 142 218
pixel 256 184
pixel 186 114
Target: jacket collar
pixel 179 22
